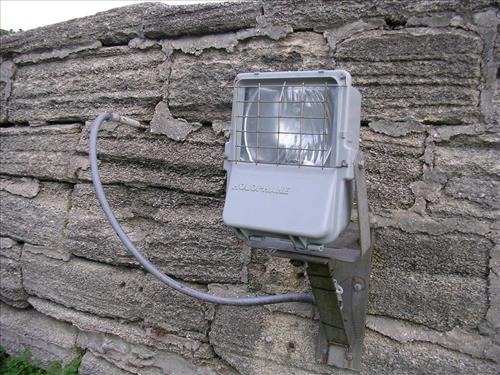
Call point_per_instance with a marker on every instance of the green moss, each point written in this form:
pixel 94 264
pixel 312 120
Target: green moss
pixel 159 330
pixel 12 365
pixel 69 202
pixel 252 288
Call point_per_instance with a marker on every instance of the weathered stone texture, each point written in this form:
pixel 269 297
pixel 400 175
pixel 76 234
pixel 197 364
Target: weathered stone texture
pixel 92 365
pixel 140 158
pixel 469 158
pixel 413 273
pixel 79 87
pixel 467 170
pixel 165 225
pixel 324 14
pixel 447 254
pixel 384 356
pixel 292 345
pixel 11 278
pixel 112 292
pixel 138 359
pixel 392 164
pixel 112 27
pixel 274 275
pixel 42 152
pixel 469 197
pixel 430 74
pixel 458 339
pixel 200 86
pixel 436 301
pixel 7 70
pixel 27 330
pixel 496 95
pixel 38 221
pixel 146 333
pixel 27 187
pixel 162 20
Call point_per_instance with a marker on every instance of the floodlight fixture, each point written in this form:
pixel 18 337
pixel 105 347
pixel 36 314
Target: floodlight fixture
pixel 290 159
pixel 293 170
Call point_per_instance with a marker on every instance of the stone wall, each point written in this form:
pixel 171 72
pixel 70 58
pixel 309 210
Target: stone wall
pixel 428 72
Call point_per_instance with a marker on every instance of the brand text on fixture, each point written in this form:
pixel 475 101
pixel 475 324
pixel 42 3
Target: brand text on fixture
pixel 282 190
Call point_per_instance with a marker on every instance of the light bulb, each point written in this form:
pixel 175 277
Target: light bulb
pixel 286 124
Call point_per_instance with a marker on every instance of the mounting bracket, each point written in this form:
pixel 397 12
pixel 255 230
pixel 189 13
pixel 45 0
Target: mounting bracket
pixel 339 275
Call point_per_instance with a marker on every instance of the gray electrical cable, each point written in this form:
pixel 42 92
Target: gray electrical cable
pixel 96 179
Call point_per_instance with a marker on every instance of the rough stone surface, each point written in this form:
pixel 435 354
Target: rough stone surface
pixel 92 365
pixel 139 359
pixel 468 159
pixel 326 14
pixel 165 225
pixel 11 278
pixel 80 86
pixel 436 301
pixel 429 75
pixel 388 66
pixel 27 330
pixel 112 292
pixel 384 356
pixel 25 186
pixel 148 333
pixel 42 152
pixel 392 164
pixel 457 339
pixel 40 221
pixel 140 158
pixel 164 123
pixel 162 20
pixel 448 254
pixel 112 27
pixel 292 344
pixel 208 95
pixel 7 70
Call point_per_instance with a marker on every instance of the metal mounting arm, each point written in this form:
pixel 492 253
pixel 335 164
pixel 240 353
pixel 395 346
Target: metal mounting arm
pixel 339 276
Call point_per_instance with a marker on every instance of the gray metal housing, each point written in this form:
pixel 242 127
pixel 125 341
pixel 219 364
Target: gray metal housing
pixel 305 205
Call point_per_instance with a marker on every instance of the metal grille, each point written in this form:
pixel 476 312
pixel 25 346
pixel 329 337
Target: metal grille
pixel 284 124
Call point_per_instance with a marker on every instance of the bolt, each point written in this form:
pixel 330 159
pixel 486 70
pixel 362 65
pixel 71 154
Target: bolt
pixel 357 287
pixel 343 163
pixel 348 356
pixel 269 339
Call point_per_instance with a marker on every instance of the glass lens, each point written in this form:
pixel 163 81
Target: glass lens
pixel 287 125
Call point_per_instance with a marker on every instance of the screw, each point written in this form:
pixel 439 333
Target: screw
pixel 269 339
pixel 343 163
pixel 348 356
pixel 357 287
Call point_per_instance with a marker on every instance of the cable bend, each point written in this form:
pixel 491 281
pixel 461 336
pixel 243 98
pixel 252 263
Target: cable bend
pixel 101 196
